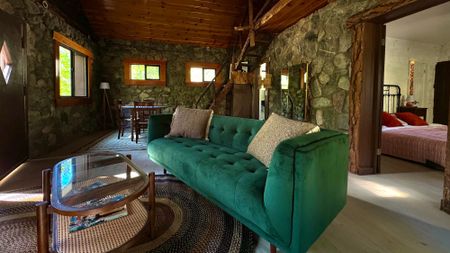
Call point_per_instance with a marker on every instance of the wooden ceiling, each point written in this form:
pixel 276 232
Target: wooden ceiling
pixel 201 22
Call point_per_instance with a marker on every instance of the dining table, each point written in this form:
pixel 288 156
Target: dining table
pixel 127 111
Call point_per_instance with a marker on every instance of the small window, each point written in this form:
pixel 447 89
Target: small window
pixel 144 72
pixel 72 63
pixel 285 79
pixel 5 62
pixel 200 74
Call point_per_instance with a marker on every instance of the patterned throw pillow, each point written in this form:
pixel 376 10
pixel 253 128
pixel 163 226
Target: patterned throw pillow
pixel 190 123
pixel 275 130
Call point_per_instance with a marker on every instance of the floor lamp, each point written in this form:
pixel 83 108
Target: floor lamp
pixel 106 106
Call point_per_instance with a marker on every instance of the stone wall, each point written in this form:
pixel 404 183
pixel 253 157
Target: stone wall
pixel 50 126
pixel 176 91
pixel 323 40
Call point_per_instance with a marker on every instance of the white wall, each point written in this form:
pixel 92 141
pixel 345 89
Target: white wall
pixel 398 54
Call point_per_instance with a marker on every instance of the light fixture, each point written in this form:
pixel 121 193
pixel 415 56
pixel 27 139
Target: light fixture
pixel 104 86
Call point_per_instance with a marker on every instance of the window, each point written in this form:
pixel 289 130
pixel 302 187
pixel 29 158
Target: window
pixel 5 62
pixel 201 74
pixel 145 72
pixel 73 67
pixel 285 79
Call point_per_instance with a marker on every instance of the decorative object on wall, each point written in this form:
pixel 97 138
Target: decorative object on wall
pixel 410 101
pixel 106 105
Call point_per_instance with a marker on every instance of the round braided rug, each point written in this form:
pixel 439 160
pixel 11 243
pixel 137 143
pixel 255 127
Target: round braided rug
pixel 186 222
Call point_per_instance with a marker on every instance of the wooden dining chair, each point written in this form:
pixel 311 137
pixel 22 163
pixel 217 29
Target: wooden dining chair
pixel 122 121
pixel 140 117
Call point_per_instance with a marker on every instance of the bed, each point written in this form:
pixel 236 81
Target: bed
pixel 422 144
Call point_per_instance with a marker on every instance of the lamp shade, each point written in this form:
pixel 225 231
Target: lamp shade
pixel 104 85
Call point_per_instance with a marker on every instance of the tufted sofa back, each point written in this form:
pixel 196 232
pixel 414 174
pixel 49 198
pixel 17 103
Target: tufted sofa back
pixel 233 132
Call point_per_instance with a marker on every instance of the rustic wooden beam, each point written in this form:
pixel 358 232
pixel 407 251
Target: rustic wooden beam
pixel 445 203
pixel 263 8
pixel 241 55
pixel 241 28
pixel 251 33
pixel 271 13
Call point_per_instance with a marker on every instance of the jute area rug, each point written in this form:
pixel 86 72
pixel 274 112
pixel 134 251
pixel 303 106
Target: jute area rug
pixel 186 222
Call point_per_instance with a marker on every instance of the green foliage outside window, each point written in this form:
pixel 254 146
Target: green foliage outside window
pixel 153 72
pixel 65 72
pixel 137 72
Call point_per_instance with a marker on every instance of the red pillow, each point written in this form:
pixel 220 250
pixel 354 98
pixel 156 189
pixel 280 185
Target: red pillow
pixel 411 119
pixel 389 120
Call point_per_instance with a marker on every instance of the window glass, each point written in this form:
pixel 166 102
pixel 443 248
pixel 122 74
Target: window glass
pixel 208 75
pixel 5 62
pixel 65 72
pixel 152 72
pixel 263 71
pixel 137 72
pixel 80 73
pixel 196 75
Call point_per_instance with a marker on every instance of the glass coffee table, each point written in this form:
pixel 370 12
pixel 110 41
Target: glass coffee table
pixel 94 184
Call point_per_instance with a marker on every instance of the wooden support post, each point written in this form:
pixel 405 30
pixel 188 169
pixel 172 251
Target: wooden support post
pixel 43 227
pixel 128 167
pixel 46 185
pixel 151 203
pixel 280 5
pixel 251 32
pixel 46 189
pixel 273 248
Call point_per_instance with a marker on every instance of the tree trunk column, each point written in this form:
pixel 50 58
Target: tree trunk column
pixel 445 204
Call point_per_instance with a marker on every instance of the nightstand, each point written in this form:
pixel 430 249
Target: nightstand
pixel 421 112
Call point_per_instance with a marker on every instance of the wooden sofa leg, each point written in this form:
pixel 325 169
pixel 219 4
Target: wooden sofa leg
pixel 165 172
pixel 273 248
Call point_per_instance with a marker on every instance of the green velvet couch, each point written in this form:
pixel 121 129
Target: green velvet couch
pixel 289 204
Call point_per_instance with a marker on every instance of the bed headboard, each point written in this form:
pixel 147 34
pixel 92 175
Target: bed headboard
pixel 391 97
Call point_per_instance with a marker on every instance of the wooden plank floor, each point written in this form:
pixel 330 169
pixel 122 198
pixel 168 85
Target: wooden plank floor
pixel 396 211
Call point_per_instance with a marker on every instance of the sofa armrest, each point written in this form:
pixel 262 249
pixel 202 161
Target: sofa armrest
pixel 158 126
pixel 306 186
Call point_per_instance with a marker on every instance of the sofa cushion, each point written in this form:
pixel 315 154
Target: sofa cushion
pixel 232 178
pixel 275 130
pixel 190 123
pixel 233 132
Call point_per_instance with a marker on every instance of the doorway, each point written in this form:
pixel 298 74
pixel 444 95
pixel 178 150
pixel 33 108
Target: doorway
pixel 13 121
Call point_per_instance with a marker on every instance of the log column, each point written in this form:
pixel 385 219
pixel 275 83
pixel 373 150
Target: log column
pixel 445 204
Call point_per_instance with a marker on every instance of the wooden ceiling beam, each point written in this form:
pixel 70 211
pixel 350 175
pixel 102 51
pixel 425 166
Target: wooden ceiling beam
pixel 272 12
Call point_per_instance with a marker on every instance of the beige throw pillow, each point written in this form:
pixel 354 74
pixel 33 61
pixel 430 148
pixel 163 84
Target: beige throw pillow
pixel 275 130
pixel 190 123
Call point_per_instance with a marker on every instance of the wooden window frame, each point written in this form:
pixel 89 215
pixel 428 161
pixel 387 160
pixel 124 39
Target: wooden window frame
pixel 61 40
pixel 203 65
pixel 148 82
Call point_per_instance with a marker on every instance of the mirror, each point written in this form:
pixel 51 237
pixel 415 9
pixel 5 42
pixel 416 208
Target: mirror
pixel 294 91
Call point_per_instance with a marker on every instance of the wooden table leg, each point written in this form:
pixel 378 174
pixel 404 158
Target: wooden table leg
pixel 46 188
pixel 43 227
pixel 151 203
pixel 273 248
pixel 128 167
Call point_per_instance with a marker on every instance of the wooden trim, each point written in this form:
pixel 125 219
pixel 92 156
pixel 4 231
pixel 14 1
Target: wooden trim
pixel 162 72
pixel 189 65
pixel 71 101
pixel 72 44
pixel 392 10
pixel 366 73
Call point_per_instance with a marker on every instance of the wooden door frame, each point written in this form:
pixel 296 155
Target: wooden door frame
pixel 367 78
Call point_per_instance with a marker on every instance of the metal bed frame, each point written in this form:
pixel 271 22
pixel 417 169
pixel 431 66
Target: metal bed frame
pixel 391 97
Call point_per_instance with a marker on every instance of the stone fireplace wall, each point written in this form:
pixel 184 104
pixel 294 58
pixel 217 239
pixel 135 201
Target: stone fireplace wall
pixel 323 40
